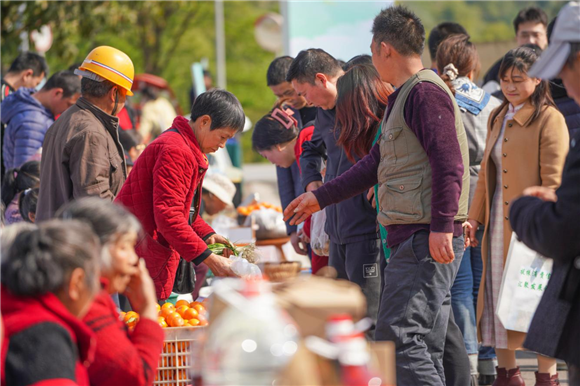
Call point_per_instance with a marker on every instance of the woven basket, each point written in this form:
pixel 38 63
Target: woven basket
pixel 283 271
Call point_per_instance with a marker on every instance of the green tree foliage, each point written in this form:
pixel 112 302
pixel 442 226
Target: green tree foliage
pixel 161 37
pixel 485 21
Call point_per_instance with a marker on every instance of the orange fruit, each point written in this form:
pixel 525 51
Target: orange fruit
pixel 181 303
pixel 176 320
pixel 200 308
pixel 194 322
pixel 181 310
pixel 192 304
pixel 131 318
pixel 181 375
pixel 167 305
pixel 165 312
pixel 203 323
pixel 158 307
pixel 190 313
pixel 162 322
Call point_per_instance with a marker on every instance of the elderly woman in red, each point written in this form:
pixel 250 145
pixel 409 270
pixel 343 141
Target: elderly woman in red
pixel 166 180
pixel 49 279
pixel 122 357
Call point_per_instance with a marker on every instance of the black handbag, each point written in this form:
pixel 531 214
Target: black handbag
pixel 184 277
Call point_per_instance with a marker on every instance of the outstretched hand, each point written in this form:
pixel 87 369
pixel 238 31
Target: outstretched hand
pixel 302 207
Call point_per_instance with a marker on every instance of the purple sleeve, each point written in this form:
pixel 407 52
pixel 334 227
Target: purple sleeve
pixel 357 179
pixel 430 115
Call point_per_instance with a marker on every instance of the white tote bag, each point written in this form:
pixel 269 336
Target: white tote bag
pixel 319 240
pixel 525 277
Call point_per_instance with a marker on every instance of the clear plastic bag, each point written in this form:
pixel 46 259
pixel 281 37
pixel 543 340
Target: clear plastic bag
pixel 319 240
pixel 245 269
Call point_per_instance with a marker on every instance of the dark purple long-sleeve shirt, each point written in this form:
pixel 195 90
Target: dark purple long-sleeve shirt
pixel 430 115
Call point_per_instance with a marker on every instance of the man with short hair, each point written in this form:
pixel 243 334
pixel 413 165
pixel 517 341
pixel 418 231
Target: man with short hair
pixel 547 221
pixel 421 165
pixel 289 186
pixel 82 155
pixel 27 70
pixel 354 249
pixel 28 115
pixel 531 27
pixel 439 33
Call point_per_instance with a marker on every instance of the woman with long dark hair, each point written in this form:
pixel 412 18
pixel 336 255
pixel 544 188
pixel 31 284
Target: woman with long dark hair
pixel 526 146
pixel 360 106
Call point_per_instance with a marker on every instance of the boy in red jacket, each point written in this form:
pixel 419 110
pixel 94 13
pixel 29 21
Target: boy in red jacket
pixel 168 177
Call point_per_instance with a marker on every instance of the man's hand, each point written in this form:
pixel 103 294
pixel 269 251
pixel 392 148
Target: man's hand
pixel 313 186
pixel 141 293
pixel 296 243
pixel 469 230
pixel 543 193
pixel 441 247
pixel 302 207
pixel 220 266
pixel 302 236
pixel 371 197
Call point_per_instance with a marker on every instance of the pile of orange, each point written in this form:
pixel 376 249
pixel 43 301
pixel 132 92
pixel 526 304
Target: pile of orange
pixel 182 314
pixel 247 210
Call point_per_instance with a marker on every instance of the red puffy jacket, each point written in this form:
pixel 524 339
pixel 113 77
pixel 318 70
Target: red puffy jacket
pixel 159 192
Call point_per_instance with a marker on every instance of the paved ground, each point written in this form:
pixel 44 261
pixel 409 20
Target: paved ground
pixel 262 178
pixel 528 365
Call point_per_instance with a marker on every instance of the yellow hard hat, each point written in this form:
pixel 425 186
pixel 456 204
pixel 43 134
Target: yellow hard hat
pixel 111 64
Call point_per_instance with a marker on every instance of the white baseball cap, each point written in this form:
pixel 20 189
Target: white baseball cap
pixel 221 187
pixel 566 31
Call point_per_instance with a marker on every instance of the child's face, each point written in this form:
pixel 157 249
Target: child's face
pixel 123 262
pixel 281 155
pixel 517 86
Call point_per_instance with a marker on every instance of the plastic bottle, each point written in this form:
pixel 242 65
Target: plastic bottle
pixel 251 341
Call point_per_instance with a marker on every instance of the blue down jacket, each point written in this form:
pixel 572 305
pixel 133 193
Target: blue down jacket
pixel 26 123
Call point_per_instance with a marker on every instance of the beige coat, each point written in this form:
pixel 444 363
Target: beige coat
pixel 533 154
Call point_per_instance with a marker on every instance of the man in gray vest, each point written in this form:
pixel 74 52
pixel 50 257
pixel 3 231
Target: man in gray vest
pixel 421 166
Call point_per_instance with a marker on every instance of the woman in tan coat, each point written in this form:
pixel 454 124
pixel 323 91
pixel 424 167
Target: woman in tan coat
pixel 527 142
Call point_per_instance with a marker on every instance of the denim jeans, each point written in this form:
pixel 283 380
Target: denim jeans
pixel 464 298
pixel 415 308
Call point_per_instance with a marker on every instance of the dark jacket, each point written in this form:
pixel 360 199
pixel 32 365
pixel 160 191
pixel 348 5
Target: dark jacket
pixel 81 156
pixel 122 358
pixel 159 192
pixel 26 123
pixel 289 184
pixel 552 229
pixel 351 220
pixel 567 106
pixel 44 344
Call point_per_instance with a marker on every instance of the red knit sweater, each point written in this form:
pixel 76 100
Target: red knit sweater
pixel 122 358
